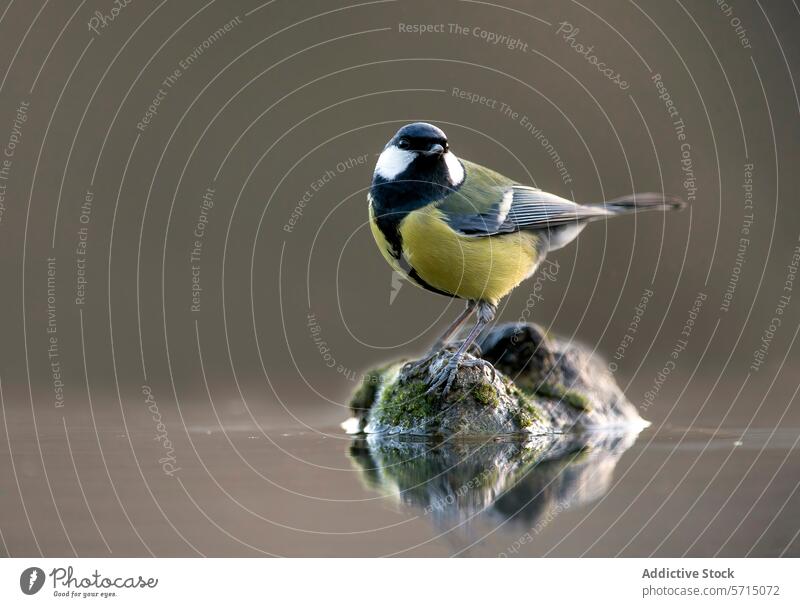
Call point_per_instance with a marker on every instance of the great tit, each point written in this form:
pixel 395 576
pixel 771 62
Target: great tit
pixel 462 230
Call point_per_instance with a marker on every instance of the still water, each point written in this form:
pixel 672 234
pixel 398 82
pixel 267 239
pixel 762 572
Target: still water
pixel 240 490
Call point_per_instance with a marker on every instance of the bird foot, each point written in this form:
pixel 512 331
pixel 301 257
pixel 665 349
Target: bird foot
pixel 418 366
pixel 445 377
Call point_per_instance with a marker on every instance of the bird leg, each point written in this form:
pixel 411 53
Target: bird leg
pixel 442 341
pixel 446 376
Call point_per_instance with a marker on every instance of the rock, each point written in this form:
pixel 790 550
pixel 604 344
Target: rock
pixel 542 386
pixel 571 382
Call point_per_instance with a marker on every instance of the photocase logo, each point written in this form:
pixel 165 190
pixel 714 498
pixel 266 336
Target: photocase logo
pixel 397 284
pixel 31 580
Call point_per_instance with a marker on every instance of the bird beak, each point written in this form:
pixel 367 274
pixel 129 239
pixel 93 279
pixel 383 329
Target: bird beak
pixel 435 150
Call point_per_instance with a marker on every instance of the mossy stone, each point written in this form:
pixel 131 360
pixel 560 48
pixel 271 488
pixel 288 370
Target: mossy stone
pixel 540 385
pixel 406 403
pixel 556 391
pixel 486 395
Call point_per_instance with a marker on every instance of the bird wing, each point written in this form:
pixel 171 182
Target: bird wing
pixel 532 209
pixel 489 203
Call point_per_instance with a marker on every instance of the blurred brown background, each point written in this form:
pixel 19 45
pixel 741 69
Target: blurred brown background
pixel 186 269
pixel 289 91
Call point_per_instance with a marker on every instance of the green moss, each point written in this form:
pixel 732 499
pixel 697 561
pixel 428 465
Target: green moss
pixel 486 395
pixel 522 419
pixel 406 404
pixel 552 391
pixel 533 412
pixel 559 392
pixel 364 396
pixel 528 412
pixel 577 400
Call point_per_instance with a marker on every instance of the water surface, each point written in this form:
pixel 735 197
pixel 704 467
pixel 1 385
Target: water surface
pixel 243 491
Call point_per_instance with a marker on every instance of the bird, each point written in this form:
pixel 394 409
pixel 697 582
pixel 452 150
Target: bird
pixel 463 230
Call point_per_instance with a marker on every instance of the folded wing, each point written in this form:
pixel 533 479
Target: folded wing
pixel 512 208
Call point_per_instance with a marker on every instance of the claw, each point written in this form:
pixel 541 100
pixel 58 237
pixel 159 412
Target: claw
pixel 415 367
pixel 447 375
pixel 444 377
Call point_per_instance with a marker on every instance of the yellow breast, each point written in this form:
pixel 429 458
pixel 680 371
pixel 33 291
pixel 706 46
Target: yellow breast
pixel 481 268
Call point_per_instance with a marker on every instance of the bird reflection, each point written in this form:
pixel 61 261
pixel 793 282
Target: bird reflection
pixel 522 481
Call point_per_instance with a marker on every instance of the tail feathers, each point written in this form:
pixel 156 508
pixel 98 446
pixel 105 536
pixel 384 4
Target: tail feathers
pixel 647 201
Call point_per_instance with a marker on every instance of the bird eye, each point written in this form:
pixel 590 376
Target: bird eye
pixel 403 144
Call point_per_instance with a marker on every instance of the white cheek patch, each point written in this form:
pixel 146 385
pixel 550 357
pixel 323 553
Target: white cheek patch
pixel 393 161
pixel 454 168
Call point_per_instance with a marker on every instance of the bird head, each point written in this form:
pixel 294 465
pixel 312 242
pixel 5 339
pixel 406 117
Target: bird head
pixel 419 163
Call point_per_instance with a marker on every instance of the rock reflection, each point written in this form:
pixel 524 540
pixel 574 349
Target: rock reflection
pixel 525 481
